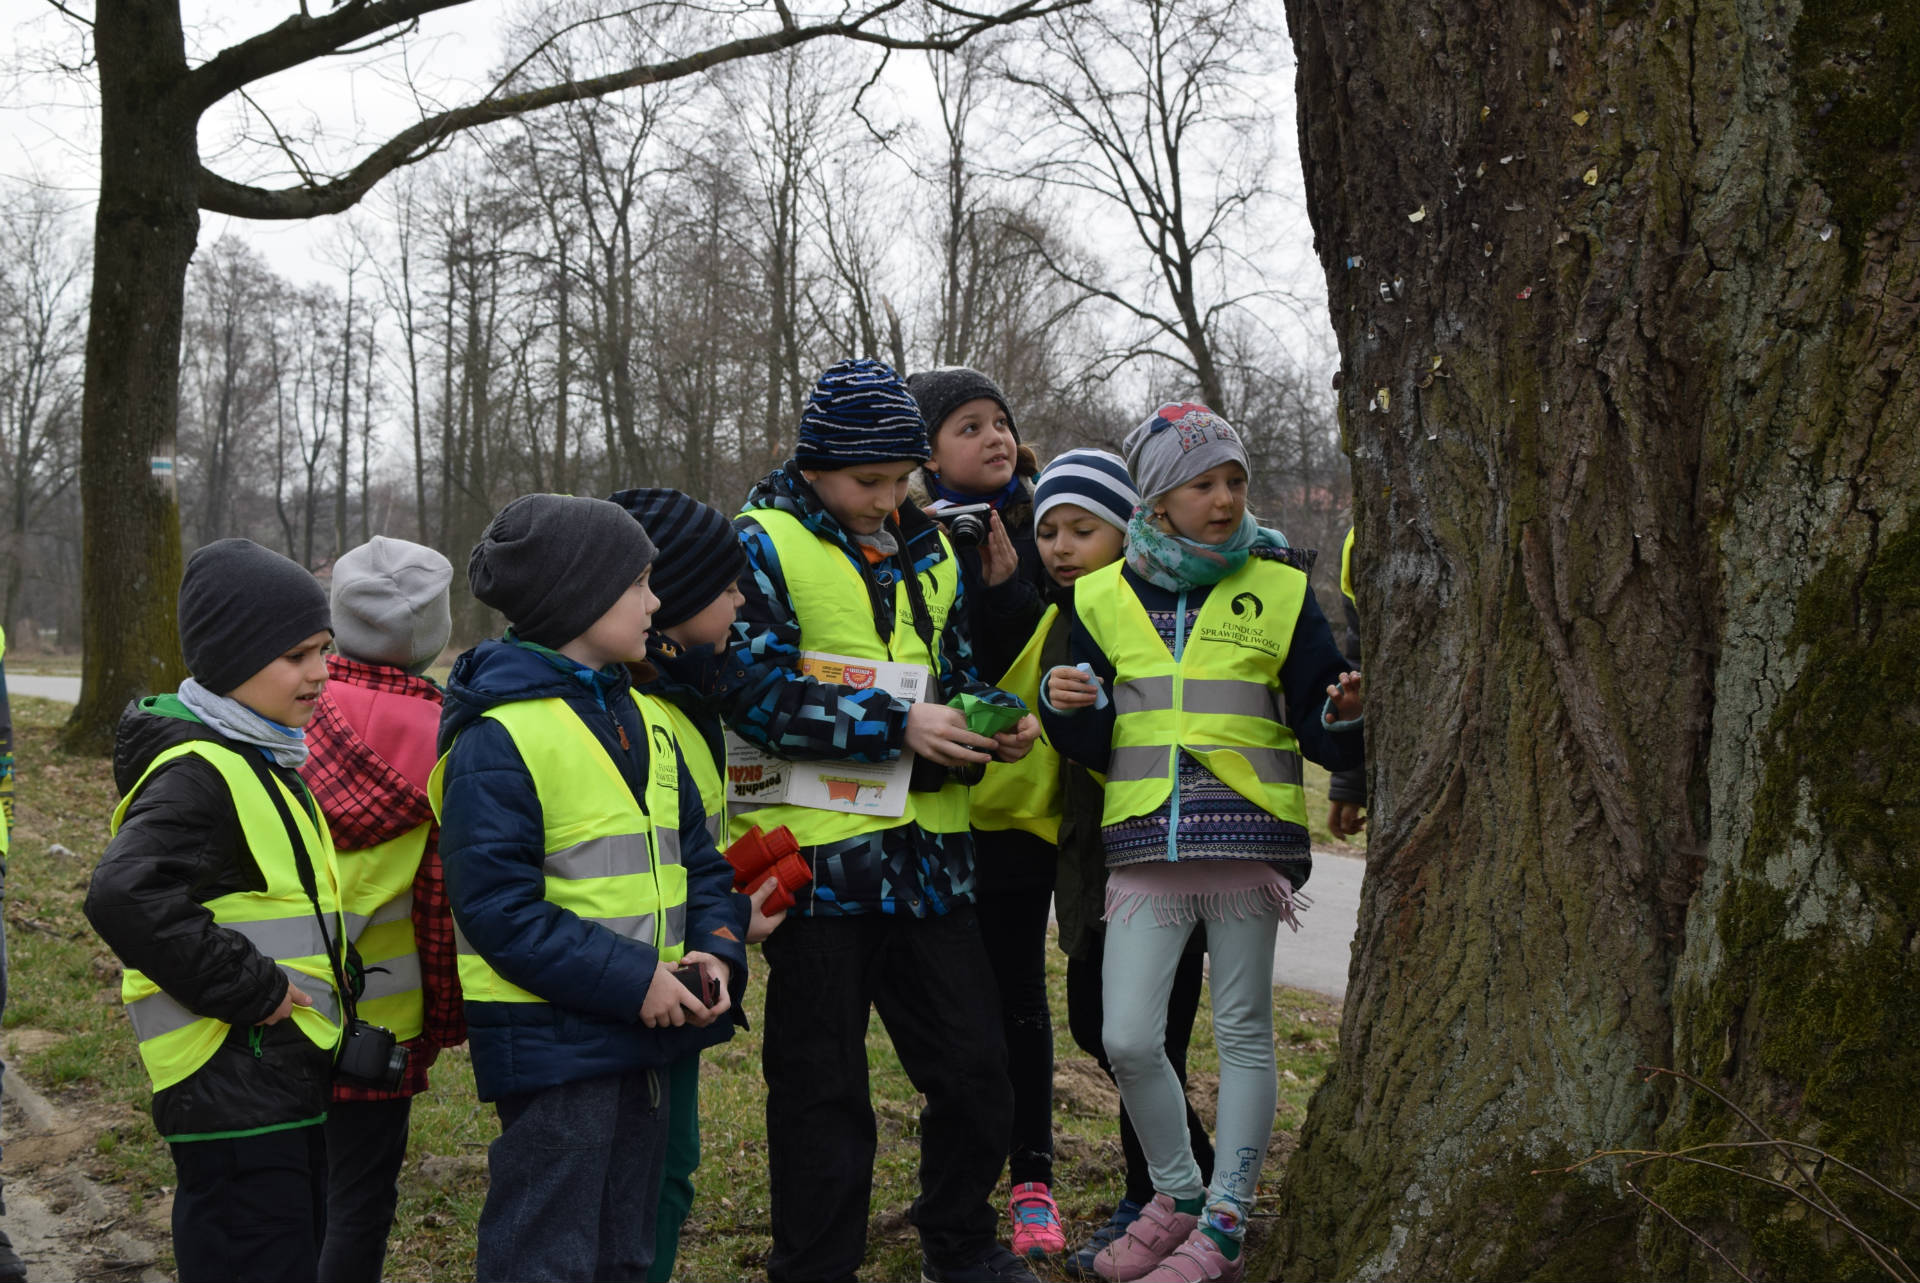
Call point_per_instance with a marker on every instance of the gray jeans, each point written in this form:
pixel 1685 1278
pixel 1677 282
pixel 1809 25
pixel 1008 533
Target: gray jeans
pixel 574 1180
pixel 1139 964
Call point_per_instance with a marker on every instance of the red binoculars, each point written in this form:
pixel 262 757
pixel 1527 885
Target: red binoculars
pixel 756 854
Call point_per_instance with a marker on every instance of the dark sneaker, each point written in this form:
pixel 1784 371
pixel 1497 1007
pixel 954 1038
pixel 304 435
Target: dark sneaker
pixel 1080 1264
pixel 998 1265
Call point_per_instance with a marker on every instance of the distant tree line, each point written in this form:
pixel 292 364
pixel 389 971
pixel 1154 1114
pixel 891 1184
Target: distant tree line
pixel 639 289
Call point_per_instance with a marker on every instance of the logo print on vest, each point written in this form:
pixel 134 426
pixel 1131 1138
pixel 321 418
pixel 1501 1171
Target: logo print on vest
pixel 665 769
pixel 1247 603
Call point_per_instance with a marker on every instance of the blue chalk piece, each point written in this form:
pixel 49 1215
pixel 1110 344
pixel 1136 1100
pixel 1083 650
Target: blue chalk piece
pixel 1099 687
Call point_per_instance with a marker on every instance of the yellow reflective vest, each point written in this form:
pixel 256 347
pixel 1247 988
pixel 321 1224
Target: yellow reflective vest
pixel 1346 566
pixel 709 776
pixel 280 921
pixel 831 604
pixel 606 858
pixel 376 897
pixel 1219 702
pixel 1023 795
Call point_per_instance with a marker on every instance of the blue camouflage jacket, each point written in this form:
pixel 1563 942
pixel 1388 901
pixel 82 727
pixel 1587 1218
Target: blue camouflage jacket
pixel 770 703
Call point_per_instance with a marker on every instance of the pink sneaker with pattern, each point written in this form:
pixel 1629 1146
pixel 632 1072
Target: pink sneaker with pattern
pixel 1147 1242
pixel 1036 1221
pixel 1198 1260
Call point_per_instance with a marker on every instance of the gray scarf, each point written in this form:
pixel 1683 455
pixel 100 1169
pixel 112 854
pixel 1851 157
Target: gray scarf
pixel 287 746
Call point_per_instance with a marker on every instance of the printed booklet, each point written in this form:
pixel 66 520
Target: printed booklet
pixel 756 778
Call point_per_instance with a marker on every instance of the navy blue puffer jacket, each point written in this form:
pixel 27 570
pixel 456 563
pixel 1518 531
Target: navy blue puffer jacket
pixel 492 842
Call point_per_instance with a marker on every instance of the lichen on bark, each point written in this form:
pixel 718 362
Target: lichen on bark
pixel 1619 814
pixel 1802 994
pixel 1857 83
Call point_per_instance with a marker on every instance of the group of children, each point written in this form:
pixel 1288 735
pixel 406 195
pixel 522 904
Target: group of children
pixel 326 869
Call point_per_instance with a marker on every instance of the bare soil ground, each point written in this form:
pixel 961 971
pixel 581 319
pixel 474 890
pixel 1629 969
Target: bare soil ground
pixel 67 1220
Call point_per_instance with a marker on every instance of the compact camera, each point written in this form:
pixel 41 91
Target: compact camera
pixel 370 1056
pixel 966 523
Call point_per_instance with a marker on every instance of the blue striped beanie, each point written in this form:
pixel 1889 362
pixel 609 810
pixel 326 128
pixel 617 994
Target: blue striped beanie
pixel 1094 479
pixel 859 412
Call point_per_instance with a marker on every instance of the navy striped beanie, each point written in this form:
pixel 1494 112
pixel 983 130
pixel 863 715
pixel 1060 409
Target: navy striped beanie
pixel 1093 479
pixel 699 558
pixel 859 412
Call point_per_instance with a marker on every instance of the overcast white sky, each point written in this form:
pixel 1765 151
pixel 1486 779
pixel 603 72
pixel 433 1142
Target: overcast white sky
pixel 49 133
pixel 338 109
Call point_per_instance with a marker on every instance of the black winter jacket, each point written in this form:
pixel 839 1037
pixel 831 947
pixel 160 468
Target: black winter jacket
pixel 179 846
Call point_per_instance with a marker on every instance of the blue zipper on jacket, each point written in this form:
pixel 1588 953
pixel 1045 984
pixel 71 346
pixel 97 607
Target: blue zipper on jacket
pixel 1173 749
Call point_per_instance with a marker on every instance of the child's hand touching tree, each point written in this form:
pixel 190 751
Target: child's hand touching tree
pixel 1343 700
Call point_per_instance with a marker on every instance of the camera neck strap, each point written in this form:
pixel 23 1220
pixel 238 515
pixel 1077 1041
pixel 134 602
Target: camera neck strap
pixel 917 601
pixel 309 879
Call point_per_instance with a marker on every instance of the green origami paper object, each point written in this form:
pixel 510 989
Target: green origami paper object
pixel 984 718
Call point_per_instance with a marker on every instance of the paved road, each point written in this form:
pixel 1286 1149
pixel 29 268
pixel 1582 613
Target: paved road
pixel 65 688
pixel 1315 958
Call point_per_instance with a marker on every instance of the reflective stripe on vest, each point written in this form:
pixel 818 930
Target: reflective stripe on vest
pixel 1023 795
pixel 834 611
pixel 607 859
pixel 376 893
pixel 1220 703
pixel 279 921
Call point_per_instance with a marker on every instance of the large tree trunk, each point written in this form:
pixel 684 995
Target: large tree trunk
pixel 1625 299
pixel 144 231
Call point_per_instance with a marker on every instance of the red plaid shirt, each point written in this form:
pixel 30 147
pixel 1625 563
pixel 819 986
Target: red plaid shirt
pixel 367 801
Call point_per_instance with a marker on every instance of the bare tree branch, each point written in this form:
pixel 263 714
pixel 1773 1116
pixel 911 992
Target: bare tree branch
pixel 299 39
pixel 308 200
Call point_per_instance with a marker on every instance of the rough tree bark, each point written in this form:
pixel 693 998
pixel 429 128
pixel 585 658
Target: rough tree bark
pixel 144 231
pixel 1627 299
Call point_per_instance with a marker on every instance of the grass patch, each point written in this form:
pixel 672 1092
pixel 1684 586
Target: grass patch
pixel 65 1008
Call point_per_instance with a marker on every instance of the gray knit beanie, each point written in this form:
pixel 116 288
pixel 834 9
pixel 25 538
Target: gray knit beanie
pixel 939 392
pixel 1177 443
pixel 390 604
pixel 242 607
pixel 553 564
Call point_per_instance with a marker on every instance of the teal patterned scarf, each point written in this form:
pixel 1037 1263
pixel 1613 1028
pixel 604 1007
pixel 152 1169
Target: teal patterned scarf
pixel 1177 563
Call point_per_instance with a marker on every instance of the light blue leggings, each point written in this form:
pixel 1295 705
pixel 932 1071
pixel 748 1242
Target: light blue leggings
pixel 1138 971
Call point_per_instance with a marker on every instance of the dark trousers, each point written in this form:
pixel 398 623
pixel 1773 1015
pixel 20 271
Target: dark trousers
pixel 366 1144
pixel 1013 926
pixel 683 1157
pixel 1086 1014
pixel 931 983
pixel 253 1207
pixel 573 1181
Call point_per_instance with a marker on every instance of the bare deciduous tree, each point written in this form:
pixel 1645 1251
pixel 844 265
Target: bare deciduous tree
pixel 1150 110
pixel 153 185
pixel 42 302
pixel 1637 466
pixel 228 376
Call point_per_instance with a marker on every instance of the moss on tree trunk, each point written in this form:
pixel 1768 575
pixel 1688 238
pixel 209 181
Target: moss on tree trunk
pixel 1624 296
pixel 144 231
